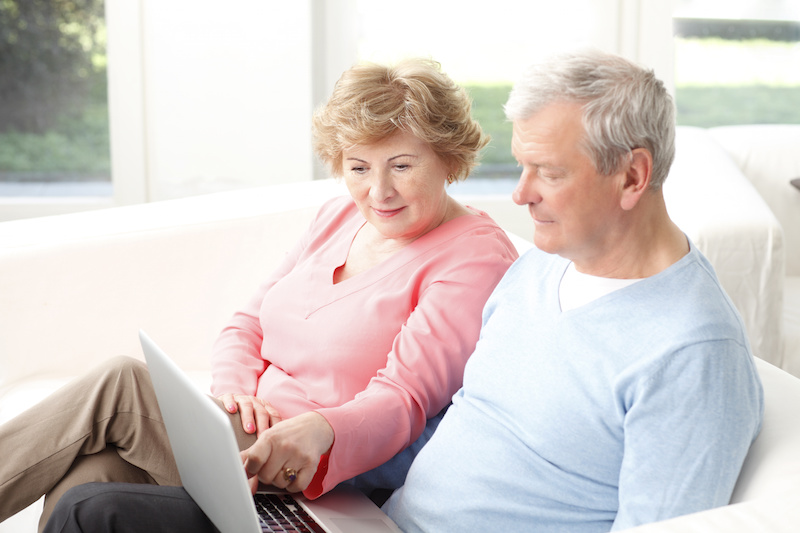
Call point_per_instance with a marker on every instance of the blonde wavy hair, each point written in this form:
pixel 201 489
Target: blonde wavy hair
pixel 370 102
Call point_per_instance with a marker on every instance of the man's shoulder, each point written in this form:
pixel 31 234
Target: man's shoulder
pixel 695 290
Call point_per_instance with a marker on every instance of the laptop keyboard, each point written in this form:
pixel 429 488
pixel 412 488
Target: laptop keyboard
pixel 280 512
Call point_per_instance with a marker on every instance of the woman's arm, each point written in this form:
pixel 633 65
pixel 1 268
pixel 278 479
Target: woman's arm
pixel 425 366
pixel 236 361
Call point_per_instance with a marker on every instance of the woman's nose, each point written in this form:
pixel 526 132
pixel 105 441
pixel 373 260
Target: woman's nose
pixel 382 187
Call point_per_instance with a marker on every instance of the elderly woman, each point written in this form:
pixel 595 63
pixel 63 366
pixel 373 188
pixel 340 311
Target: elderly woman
pixel 349 352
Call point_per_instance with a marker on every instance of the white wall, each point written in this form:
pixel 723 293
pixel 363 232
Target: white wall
pixel 207 96
pixel 227 94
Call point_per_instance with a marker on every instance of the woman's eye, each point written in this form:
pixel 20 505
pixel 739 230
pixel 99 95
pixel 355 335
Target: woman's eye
pixel 401 167
pixel 358 170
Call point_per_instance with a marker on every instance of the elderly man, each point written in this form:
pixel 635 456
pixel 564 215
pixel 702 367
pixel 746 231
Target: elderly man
pixel 613 384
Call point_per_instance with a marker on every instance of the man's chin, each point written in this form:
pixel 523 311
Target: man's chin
pixel 544 244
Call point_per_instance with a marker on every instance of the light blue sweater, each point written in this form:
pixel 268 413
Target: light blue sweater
pixel 636 407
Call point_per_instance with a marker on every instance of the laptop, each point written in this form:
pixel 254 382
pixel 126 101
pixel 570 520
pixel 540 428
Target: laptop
pixel 211 470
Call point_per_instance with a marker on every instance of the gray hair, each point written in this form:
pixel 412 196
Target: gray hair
pixel 624 106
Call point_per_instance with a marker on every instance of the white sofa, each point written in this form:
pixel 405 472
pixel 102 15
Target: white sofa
pixel 770 158
pixel 75 289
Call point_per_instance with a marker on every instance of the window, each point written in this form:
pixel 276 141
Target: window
pixel 200 98
pixel 484 47
pixel 737 62
pixel 54 136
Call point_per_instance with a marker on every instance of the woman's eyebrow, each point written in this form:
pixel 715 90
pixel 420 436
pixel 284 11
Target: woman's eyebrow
pixel 401 155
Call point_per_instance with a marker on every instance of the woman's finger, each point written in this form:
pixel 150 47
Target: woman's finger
pixel 247 412
pixel 274 415
pixel 229 402
pixel 263 419
pixel 265 414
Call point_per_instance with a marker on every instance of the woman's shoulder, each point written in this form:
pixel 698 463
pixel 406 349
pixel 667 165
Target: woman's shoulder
pixel 468 240
pixel 479 227
pixel 335 212
pixel 338 205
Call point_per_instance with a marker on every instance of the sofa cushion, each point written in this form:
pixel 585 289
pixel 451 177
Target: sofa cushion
pixel 769 155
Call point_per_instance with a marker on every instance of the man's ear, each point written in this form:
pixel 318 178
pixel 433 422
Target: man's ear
pixel 637 177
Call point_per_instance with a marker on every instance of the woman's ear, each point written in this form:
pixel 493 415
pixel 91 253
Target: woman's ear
pixel 637 177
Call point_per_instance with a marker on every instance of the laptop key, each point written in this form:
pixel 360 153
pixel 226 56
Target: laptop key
pixel 282 513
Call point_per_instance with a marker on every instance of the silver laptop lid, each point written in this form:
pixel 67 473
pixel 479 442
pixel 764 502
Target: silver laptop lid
pixel 204 445
pixel 207 455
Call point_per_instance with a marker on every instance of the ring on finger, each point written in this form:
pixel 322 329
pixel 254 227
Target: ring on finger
pixel 290 474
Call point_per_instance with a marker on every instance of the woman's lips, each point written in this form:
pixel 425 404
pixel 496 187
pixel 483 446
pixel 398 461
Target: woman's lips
pixel 387 213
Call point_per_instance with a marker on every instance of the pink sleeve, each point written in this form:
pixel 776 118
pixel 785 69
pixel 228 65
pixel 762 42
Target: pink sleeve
pixel 236 361
pixel 425 367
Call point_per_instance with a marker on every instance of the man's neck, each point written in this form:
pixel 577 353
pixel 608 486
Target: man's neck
pixel 644 243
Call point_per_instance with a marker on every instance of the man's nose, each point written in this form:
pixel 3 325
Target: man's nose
pixel 526 190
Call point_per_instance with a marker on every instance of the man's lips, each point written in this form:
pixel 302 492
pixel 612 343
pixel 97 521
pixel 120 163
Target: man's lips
pixel 386 213
pixel 536 219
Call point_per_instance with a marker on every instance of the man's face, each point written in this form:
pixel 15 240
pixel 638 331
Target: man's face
pixel 575 210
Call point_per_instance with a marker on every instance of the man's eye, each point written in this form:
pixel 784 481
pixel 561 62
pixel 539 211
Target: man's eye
pixel 549 176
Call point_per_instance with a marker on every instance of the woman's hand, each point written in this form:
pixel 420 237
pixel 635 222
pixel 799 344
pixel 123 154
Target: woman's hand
pixel 256 414
pixel 287 455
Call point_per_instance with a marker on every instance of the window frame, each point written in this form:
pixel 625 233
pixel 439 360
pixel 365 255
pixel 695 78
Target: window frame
pixel 126 124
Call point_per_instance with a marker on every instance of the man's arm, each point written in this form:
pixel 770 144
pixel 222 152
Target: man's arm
pixel 687 432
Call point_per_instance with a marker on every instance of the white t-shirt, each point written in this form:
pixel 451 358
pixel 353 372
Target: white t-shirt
pixel 577 289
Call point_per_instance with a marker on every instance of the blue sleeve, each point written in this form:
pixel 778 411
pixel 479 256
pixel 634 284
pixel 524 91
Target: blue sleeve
pixel 688 428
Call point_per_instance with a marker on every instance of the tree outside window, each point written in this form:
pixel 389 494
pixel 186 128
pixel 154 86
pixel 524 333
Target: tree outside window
pixel 53 92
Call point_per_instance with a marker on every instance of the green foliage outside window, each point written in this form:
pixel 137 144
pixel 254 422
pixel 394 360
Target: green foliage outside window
pixel 53 98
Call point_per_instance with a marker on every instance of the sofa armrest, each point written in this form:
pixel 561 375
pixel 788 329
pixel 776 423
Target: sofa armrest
pixel 772 515
pixel 75 289
pixel 710 199
pixel 772 465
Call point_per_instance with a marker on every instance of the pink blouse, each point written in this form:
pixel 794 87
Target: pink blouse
pixel 376 354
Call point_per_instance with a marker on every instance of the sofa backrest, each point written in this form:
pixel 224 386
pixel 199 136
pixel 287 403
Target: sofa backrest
pixel 75 289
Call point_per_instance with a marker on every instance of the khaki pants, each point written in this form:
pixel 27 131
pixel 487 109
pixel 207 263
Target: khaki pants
pixel 105 426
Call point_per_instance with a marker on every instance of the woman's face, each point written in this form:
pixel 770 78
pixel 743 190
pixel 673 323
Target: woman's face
pixel 398 185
